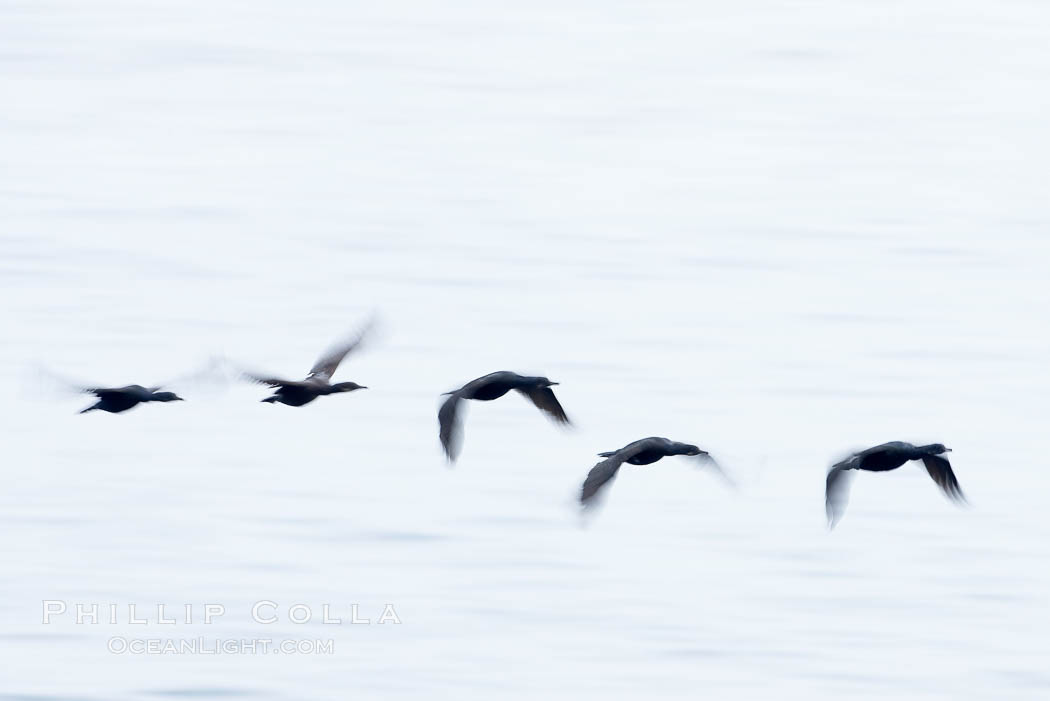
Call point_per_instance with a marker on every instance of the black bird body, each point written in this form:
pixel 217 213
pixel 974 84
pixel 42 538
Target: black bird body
pixel 496 384
pixel 641 452
pixel 536 389
pixel 303 392
pixel 888 456
pixel 487 388
pixel 883 458
pixel 117 399
pixel 650 452
pixel 318 382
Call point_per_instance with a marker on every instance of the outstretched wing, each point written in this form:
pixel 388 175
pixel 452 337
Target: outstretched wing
pixel 604 472
pixel 214 373
pixel 102 391
pixel 326 365
pixel 707 460
pixel 941 472
pixel 545 401
pixel 836 491
pixel 60 384
pixel 266 380
pixel 450 430
pixel 599 476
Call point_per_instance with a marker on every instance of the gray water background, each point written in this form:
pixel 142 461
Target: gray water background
pixel 778 230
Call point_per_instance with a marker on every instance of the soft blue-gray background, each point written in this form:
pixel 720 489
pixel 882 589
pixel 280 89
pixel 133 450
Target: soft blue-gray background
pixel 777 229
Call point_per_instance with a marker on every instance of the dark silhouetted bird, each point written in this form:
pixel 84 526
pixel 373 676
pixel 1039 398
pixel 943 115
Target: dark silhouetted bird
pixel 493 386
pixel 118 399
pixel 642 452
pixel 318 382
pixel 881 458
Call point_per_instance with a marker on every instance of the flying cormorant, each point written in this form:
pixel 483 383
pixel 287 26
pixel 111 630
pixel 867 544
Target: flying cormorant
pixel 493 386
pixel 881 458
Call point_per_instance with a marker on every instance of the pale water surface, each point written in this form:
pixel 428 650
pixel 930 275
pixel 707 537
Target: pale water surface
pixel 779 230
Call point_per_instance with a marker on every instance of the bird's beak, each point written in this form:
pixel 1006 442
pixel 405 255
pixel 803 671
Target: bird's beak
pixel 553 383
pixel 947 450
pixel 362 387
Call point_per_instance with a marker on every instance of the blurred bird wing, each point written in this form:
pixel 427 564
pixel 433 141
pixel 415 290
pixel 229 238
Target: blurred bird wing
pixel 101 391
pixel 545 401
pixel 450 429
pixel 68 385
pixel 214 372
pixel 601 475
pixel 327 364
pixel 709 461
pixel 269 381
pixel 836 492
pixel 941 472
pixel 604 472
pixel 63 385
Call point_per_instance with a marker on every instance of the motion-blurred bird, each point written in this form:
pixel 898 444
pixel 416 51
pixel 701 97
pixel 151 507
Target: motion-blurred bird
pixel 881 458
pixel 493 386
pixel 318 382
pixel 642 452
pixel 118 399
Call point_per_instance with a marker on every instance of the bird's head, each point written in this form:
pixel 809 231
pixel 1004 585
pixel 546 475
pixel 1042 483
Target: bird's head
pixel 167 397
pixel 346 387
pixel 935 449
pixel 688 449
